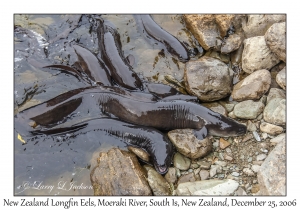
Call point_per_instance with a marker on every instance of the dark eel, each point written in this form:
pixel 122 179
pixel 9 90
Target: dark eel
pixel 164 115
pixel 173 45
pixel 155 143
pixel 112 55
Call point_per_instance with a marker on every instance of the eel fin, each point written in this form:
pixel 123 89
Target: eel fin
pixel 201 133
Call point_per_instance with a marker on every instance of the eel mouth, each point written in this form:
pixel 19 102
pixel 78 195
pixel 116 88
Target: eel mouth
pixel 162 169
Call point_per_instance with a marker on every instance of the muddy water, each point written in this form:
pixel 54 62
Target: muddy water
pixel 60 166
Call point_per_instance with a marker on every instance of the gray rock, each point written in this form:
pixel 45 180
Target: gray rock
pixel 253 86
pixel 204 165
pixel 248 109
pixel 119 173
pixel 208 187
pixel 261 157
pixel 204 174
pixel 272 173
pixel 276 93
pixel 275 38
pixel 187 144
pixel 221 163
pixel 204 29
pixel 278 139
pixel 257 25
pixel 251 126
pixel 208 78
pixel 281 78
pixel 190 177
pixel 216 107
pixel 233 42
pixel 235 174
pixel 181 162
pixel 228 105
pixel 274 111
pixel 248 172
pixel 270 128
pixel 171 175
pixel 157 183
pixel 257 55
pixel 213 172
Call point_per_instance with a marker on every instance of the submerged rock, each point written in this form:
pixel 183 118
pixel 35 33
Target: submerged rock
pixel 253 86
pixel 187 144
pixel 257 55
pixel 275 38
pixel 118 173
pixel 208 187
pixel 207 78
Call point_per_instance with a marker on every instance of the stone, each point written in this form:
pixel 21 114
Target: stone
pixel 281 78
pixel 204 165
pixel 204 174
pixel 181 162
pixel 221 163
pixel 187 144
pixel 204 29
pixel 251 126
pixel 257 25
pixel 224 143
pixel 274 111
pixel 274 71
pixel 140 153
pixel 276 40
pixel 208 187
pixel 171 175
pixel 233 42
pixel 255 168
pixel 253 86
pixel 157 183
pixel 190 177
pixel 276 93
pixel 236 174
pixel 248 109
pixel 270 128
pixel 240 192
pixel 257 55
pixel 248 172
pixel 278 139
pixel 272 174
pixel 255 188
pixel 208 78
pixel 216 107
pixel 227 157
pixel 228 105
pixel 261 157
pixel 119 173
pixel 212 171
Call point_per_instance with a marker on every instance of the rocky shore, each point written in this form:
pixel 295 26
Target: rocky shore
pixel 243 76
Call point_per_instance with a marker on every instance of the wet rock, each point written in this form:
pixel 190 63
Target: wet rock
pixel 257 25
pixel 233 42
pixel 119 173
pixel 187 178
pixel 208 78
pixel 224 143
pixel 216 107
pixel 204 174
pixel 181 162
pixel 248 109
pixel 157 183
pixel 171 175
pixel 187 144
pixel 247 137
pixel 278 139
pixel 253 86
pixel 281 78
pixel 204 29
pixel 139 152
pixel 275 38
pixel 272 173
pixel 257 55
pixel 248 172
pixel 261 157
pixel 274 112
pixel 275 93
pixel 208 187
pixel 270 128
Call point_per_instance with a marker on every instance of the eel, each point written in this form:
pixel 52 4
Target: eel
pixel 154 142
pixel 173 45
pixel 113 57
pixel 163 115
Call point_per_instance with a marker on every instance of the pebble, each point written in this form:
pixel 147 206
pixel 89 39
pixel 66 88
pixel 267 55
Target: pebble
pixel 171 175
pixel 204 174
pixel 204 165
pixel 221 163
pixel 278 138
pixel 224 143
pixel 261 157
pixel 248 172
pixel 213 172
pixel 248 109
pixel 256 136
pixel 236 174
pixel 249 159
pixel 275 111
pixel 255 168
pixel 190 177
pixel 181 162
pixel 270 128
pixel 281 78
